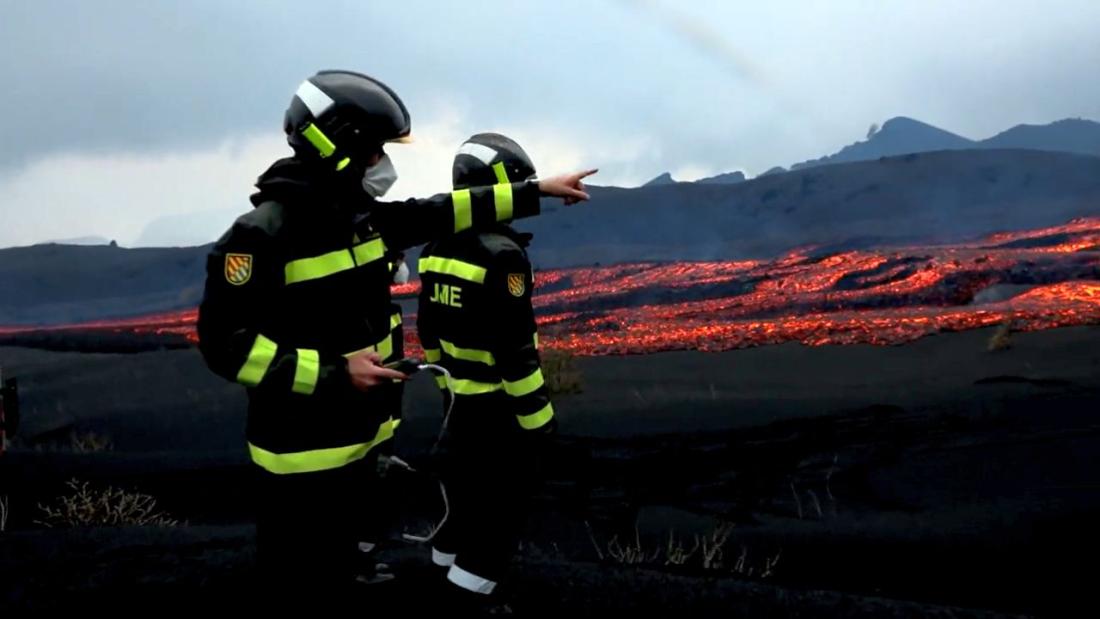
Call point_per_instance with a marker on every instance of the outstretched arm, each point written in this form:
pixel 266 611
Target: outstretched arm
pixel 414 222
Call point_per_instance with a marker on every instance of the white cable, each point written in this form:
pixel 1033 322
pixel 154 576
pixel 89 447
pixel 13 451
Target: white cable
pixel 424 539
pixel 442 430
pixel 450 387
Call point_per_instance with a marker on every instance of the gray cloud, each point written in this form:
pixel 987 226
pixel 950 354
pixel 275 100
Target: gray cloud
pixel 709 85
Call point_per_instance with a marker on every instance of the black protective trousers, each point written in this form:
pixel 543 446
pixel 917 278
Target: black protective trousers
pixel 489 480
pixel 308 526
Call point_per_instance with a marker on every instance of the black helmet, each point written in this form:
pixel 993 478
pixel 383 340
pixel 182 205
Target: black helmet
pixel 344 115
pixel 488 159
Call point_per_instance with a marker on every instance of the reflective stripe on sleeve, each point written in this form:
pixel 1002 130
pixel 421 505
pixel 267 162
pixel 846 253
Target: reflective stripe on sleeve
pixel 536 420
pixel 502 199
pixel 259 358
pixel 306 372
pixel 524 386
pixel 463 207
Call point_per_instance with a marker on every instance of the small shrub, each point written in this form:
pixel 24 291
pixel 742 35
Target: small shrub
pixel 707 552
pixel 87 506
pixel 767 570
pixel 68 439
pixel 675 553
pixel 559 372
pixel 713 543
pixel 91 442
pixel 1002 338
pixel 632 552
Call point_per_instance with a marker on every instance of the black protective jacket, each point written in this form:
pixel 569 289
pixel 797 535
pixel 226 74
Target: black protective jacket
pixel 301 282
pixel 475 317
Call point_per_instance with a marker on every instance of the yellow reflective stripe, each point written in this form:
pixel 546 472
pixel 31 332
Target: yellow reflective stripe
pixel 431 355
pixel 534 421
pixel 524 386
pixel 441 381
pixel 343 163
pixel 259 358
pixel 383 348
pixel 395 321
pixel 464 213
pixel 305 374
pixel 536 339
pixel 502 198
pixel 502 174
pixel 455 268
pixel 321 459
pixel 305 269
pixel 319 140
pixel 467 354
pixel 465 386
pixel 368 252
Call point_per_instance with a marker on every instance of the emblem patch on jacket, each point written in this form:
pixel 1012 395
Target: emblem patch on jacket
pixel 516 284
pixel 238 268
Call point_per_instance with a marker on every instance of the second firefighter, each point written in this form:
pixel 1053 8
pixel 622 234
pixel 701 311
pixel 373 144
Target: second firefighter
pixel 475 319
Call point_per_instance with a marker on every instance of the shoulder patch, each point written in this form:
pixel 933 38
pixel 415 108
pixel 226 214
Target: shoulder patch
pixel 238 268
pixel 517 284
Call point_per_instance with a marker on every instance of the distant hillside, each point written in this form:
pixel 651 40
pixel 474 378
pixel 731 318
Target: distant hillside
pixel 82 240
pixel 67 283
pixel 1072 135
pixel 899 136
pixel 938 196
pixel 661 179
pixel 728 178
pixel 947 195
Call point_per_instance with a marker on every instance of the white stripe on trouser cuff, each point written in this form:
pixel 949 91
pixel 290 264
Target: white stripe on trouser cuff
pixel 470 582
pixel 442 559
pixel 366 546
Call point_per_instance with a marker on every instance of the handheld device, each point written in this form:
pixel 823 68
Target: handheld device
pixel 407 366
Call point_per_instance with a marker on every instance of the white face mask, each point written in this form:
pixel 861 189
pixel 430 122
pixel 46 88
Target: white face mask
pixel 402 274
pixel 378 178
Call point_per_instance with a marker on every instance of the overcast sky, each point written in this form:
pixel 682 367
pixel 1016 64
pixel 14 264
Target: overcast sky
pixel 119 114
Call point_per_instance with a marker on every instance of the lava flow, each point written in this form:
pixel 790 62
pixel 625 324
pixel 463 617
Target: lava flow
pixel 1034 279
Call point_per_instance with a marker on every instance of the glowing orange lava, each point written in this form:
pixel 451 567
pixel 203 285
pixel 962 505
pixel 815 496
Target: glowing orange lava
pixel 878 297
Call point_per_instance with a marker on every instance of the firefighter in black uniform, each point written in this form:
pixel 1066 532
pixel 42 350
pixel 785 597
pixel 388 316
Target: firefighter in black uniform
pixel 297 308
pixel 475 319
